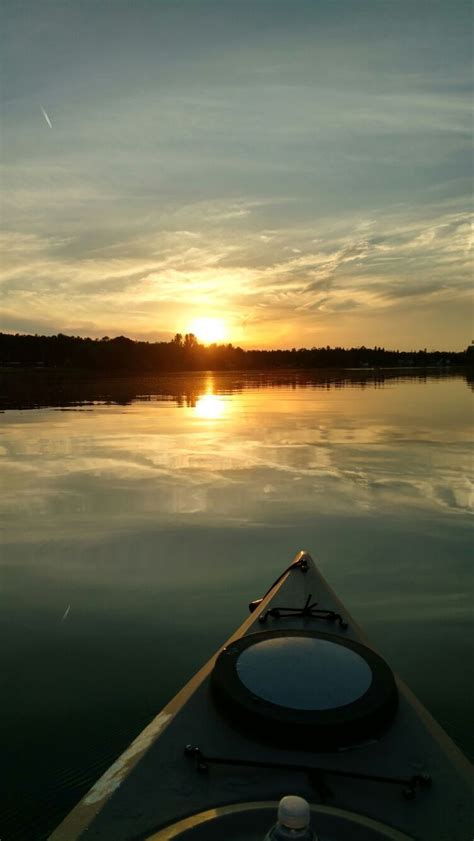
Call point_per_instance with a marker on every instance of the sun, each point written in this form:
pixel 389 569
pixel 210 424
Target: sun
pixel 208 330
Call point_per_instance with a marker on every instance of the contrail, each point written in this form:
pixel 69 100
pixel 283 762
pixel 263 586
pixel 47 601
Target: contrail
pixel 66 612
pixel 46 117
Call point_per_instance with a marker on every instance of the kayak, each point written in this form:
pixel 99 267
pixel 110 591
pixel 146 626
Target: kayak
pixel 297 702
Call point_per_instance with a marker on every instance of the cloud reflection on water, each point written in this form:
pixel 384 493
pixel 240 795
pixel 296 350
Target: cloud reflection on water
pixel 280 456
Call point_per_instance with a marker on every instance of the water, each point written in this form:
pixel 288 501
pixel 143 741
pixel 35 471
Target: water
pixel 136 532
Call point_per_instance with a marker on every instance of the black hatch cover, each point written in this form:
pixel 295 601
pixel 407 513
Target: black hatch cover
pixel 305 689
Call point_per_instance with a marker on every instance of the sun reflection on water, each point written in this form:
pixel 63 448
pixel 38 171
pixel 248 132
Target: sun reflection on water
pixel 210 407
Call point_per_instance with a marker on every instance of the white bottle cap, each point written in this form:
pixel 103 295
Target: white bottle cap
pixel 293 812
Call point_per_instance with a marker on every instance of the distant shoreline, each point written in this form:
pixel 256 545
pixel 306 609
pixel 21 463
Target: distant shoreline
pixel 50 362
pixel 123 356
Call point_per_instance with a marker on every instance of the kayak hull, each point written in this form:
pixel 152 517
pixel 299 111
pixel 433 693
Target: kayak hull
pixel 155 785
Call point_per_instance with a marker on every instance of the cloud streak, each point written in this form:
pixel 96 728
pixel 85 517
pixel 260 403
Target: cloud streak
pixel 45 115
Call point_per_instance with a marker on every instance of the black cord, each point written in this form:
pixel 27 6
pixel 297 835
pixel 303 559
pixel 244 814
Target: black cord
pixel 309 610
pixel 301 564
pixel 411 784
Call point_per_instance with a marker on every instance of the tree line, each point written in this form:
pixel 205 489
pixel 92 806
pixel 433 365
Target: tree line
pixel 185 353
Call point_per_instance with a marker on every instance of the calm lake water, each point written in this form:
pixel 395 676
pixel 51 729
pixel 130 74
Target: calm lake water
pixel 136 532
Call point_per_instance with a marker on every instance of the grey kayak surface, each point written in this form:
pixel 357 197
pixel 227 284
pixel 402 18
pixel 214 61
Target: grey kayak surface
pixel 296 704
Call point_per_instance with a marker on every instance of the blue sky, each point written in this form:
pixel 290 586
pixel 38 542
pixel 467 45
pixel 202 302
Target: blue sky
pixel 299 169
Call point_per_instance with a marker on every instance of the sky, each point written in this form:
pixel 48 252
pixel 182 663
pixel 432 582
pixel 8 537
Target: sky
pixel 299 169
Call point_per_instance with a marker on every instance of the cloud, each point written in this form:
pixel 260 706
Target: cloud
pixel 360 266
pixel 14 321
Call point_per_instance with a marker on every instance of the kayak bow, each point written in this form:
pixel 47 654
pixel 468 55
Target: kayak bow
pixel 296 702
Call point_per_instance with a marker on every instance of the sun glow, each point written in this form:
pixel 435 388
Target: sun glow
pixel 208 330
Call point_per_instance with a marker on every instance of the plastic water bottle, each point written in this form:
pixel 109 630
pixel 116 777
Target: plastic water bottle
pixel 293 823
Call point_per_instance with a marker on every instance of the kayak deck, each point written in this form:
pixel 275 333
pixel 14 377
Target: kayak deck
pixel 154 785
